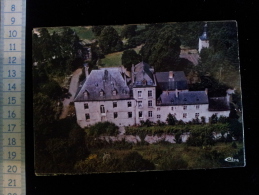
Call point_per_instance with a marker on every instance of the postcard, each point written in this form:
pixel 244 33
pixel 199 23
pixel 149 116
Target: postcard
pixel 137 97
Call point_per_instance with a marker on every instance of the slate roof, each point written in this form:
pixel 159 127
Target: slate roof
pixel 179 81
pixel 168 98
pixel 143 75
pixel 218 104
pixel 106 80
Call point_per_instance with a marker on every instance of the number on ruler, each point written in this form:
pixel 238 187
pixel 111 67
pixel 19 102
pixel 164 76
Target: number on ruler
pixel 11 141
pixel 12 33
pixel 11 127
pixel 12 46
pixel 13 73
pixel 11 100
pixel 11 155
pixel 12 169
pixel 12 20
pixel 11 87
pixel 12 182
pixel 11 114
pixel 12 60
pixel 13 8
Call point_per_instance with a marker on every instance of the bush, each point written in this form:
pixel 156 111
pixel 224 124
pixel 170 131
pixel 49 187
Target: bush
pixel 103 128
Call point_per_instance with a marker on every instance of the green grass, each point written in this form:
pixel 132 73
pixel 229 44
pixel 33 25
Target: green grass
pixel 84 32
pixel 112 59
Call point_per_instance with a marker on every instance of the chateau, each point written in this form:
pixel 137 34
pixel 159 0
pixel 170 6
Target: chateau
pixel 125 98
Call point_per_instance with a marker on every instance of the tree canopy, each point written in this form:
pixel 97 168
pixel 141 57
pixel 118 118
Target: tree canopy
pixel 130 57
pixel 109 40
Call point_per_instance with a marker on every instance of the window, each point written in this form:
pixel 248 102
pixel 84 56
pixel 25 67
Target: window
pixel 172 108
pixel 149 103
pixel 87 116
pixel 85 94
pixel 149 113
pixel 197 115
pixel 139 94
pixel 129 104
pixel 115 114
pixel 101 93
pixel 140 105
pixel 158 109
pixel 184 115
pixel 140 114
pixel 102 109
pixel 158 116
pixel 114 92
pixel 129 114
pixel 149 93
pixel 197 107
pixel 86 106
pixel 114 104
pixel 184 107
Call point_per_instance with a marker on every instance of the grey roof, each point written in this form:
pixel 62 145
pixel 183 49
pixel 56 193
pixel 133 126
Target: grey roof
pixel 179 81
pixel 143 75
pixel 105 80
pixel 168 98
pixel 218 104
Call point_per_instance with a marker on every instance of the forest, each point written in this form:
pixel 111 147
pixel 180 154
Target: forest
pixel 61 146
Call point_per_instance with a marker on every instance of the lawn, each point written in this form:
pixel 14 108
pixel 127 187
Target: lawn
pixel 114 59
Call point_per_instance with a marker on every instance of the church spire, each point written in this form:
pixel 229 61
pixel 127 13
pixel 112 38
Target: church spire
pixel 204 36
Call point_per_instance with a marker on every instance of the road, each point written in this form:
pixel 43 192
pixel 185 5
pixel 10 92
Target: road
pixel 72 90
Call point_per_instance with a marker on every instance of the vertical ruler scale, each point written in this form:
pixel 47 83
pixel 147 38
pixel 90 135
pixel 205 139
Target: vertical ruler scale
pixel 12 95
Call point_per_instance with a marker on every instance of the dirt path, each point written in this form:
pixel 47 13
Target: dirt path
pixel 72 90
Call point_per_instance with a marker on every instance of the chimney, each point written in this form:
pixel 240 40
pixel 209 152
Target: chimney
pixel 86 70
pixel 171 74
pixel 132 74
pixel 206 91
pixel 176 93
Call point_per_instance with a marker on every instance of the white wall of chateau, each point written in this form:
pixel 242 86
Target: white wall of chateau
pixel 148 108
pixel 203 44
pixel 95 114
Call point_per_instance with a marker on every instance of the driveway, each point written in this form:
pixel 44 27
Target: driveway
pixel 72 90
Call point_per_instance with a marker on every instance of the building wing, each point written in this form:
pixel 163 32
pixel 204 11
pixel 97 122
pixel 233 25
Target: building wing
pixel 170 98
pixel 103 85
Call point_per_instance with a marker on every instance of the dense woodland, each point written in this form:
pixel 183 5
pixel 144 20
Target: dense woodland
pixel 61 146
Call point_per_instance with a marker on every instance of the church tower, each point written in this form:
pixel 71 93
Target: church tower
pixel 203 39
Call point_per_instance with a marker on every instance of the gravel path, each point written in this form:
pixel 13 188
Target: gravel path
pixel 72 90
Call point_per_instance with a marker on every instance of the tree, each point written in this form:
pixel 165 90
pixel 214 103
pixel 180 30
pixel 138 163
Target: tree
pixel 162 48
pixel 130 57
pixel 97 30
pixel 171 120
pixel 128 31
pixel 109 40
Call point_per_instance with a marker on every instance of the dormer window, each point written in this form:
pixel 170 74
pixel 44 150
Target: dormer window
pixel 185 99
pixel 101 93
pixel 114 92
pixel 197 99
pixel 85 94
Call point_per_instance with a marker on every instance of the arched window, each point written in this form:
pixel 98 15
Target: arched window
pixel 102 109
